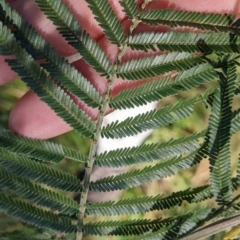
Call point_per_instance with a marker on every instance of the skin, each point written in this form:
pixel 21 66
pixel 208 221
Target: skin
pixel 33 118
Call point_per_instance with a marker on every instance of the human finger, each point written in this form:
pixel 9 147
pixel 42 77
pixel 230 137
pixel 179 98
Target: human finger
pixel 91 74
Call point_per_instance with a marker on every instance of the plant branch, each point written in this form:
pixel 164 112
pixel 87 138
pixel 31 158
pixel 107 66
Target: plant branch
pixel 213 228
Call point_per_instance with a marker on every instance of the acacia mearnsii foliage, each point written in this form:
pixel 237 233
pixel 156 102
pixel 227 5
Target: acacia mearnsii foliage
pixel 206 58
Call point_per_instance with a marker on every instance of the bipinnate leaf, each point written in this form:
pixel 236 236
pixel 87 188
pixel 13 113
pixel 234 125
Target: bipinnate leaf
pixel 195 66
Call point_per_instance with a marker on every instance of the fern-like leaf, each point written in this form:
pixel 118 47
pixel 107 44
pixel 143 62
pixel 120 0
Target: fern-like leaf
pixel 152 119
pixel 180 61
pixel 205 21
pixel 56 98
pixel 150 66
pixel 41 150
pixel 124 228
pixel 33 215
pixel 145 204
pixel 186 42
pixel 157 89
pixel 147 174
pixel 26 167
pixel 220 126
pixel 196 76
pixel 149 92
pixel 149 153
pixel 37 194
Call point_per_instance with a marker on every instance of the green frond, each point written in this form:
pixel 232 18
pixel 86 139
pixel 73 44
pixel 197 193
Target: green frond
pixel 148 174
pixel 27 168
pixel 107 19
pixel 147 67
pixel 219 136
pixel 34 215
pixel 146 204
pixel 146 93
pixel 56 65
pixel 186 42
pixel 130 8
pixel 159 202
pixel 159 88
pixel 205 21
pixel 41 83
pixel 41 150
pixel 125 227
pixel 37 194
pixel 142 122
pixel 181 225
pixel 152 119
pixel 68 26
pixel 149 152
pixel 194 77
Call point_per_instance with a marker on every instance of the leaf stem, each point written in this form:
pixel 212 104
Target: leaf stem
pixel 91 158
pixel 93 148
pixel 94 141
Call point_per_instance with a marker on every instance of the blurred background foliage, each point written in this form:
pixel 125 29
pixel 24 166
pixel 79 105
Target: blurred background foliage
pixel 193 177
